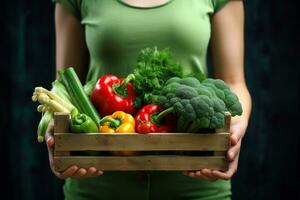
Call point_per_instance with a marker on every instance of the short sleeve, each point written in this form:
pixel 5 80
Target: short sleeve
pixel 72 6
pixel 218 4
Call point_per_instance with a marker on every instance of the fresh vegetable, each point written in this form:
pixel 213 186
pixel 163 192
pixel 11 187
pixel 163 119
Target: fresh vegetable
pixel 152 119
pixel 199 105
pixel 47 115
pixel 60 90
pixel 81 123
pixel 89 87
pixel 112 94
pixel 153 69
pixel 50 102
pixel 77 94
pixel 43 125
pixel 118 122
pixel 223 92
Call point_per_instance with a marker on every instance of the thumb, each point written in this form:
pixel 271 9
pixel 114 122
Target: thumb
pixel 50 141
pixel 235 135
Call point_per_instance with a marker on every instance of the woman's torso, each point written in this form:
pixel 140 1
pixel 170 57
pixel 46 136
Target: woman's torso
pixel 115 33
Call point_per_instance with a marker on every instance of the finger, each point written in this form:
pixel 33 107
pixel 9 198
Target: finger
pixel 202 176
pixel 50 142
pixel 185 173
pixel 191 174
pixel 49 135
pixel 222 175
pixel 91 171
pixel 229 173
pixel 234 151
pixel 208 174
pixel 50 153
pixel 50 130
pixel 236 134
pixel 196 174
pixel 69 172
pixel 79 173
pixel 97 173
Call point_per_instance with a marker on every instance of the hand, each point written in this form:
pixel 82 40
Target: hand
pixel 237 129
pixel 73 171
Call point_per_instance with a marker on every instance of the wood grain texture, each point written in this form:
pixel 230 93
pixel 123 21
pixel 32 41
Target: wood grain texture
pixel 158 141
pixel 61 125
pixel 66 142
pixel 143 163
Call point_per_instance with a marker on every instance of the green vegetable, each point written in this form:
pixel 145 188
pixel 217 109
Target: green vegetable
pixel 81 123
pixel 199 105
pixel 153 69
pixel 77 94
pixel 51 102
pixel 198 75
pixel 89 87
pixel 47 115
pixel 43 125
pixel 223 92
pixel 59 89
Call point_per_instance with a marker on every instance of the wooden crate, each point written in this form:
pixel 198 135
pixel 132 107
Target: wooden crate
pixel 217 143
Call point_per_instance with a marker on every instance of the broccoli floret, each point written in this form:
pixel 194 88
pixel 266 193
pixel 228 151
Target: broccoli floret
pixel 199 105
pixel 190 81
pixel 185 92
pixel 173 80
pixel 223 92
pixel 217 120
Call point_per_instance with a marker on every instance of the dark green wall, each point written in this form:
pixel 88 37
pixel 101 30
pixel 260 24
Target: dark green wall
pixel 270 151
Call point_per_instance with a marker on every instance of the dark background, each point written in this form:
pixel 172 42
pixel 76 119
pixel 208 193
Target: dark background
pixel 269 160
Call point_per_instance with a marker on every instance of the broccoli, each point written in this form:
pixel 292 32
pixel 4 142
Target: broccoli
pixel 198 104
pixel 223 92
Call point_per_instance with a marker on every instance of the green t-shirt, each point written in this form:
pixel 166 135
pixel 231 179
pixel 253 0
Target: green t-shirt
pixel 115 33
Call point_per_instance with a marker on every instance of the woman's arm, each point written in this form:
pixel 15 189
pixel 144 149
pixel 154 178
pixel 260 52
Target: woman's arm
pixel 71 49
pixel 227 44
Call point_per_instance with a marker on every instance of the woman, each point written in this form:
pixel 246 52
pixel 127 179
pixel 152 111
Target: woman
pixel 106 35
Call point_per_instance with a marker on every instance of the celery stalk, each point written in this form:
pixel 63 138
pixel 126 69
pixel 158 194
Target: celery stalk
pixel 77 94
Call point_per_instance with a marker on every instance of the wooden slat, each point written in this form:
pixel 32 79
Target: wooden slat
pixel 219 153
pixel 61 125
pixel 142 142
pixel 226 129
pixel 143 163
pixel 61 122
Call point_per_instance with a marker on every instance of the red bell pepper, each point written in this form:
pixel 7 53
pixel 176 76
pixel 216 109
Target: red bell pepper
pixel 113 94
pixel 149 119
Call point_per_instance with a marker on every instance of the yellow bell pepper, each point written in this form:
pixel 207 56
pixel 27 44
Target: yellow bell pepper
pixel 118 122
